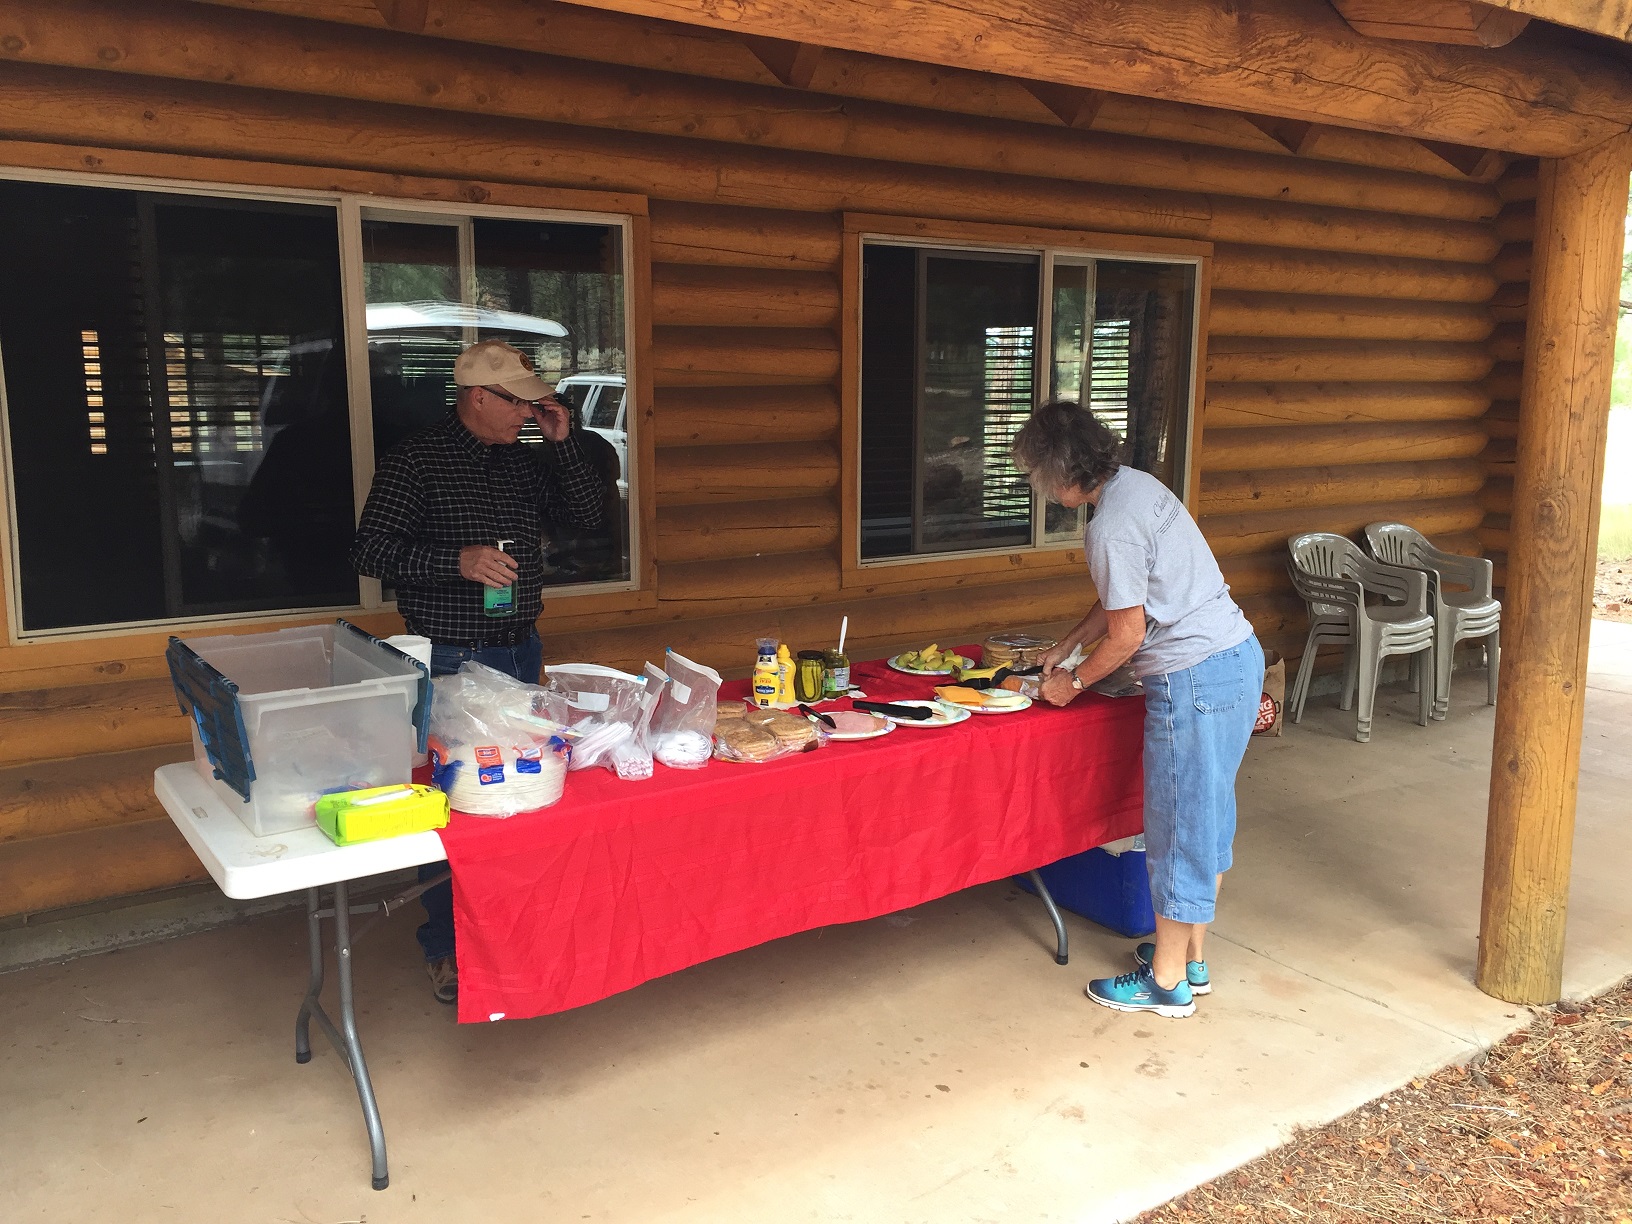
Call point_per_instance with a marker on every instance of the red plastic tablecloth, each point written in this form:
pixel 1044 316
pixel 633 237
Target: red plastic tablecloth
pixel 622 882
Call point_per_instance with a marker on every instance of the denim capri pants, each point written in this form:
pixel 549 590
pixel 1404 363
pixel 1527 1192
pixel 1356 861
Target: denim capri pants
pixel 1197 725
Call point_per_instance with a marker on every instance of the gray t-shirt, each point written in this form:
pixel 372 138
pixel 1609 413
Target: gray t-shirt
pixel 1143 547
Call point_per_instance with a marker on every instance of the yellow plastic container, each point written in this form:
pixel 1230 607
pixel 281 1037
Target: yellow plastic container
pixel 349 817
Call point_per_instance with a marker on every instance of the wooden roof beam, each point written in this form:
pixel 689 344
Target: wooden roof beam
pixel 1071 105
pixel 1609 17
pixel 1467 23
pixel 792 63
pixel 1269 57
pixel 405 15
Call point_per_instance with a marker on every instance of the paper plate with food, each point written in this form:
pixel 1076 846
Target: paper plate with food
pixel 930 661
pixel 857 725
pixel 983 701
pixel 916 713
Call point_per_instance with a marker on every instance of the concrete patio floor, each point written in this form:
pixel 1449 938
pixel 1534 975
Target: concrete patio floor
pixel 932 1066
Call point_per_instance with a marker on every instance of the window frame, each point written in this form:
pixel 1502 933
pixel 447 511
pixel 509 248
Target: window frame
pixel 350 194
pixel 1040 558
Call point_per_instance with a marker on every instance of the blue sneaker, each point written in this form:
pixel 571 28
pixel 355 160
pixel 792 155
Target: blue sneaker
pixel 1138 992
pixel 1195 972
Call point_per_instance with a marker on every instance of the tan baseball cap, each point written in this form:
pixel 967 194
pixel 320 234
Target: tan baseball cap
pixel 493 363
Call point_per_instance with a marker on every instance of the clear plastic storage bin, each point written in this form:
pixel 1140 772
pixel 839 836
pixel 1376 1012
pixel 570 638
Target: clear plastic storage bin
pixel 282 718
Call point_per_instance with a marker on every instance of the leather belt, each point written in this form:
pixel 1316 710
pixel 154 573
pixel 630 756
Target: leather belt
pixel 513 636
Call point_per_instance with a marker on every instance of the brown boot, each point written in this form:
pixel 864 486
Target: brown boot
pixel 444 974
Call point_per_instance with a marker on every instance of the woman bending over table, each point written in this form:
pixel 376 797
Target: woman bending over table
pixel 1164 605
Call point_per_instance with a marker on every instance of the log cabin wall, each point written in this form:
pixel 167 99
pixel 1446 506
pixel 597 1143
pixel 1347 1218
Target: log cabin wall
pixel 1358 367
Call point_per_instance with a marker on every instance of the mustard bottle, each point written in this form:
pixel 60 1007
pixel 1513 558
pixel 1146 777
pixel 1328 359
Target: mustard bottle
pixel 785 673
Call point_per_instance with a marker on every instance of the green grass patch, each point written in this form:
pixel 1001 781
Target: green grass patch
pixel 1615 534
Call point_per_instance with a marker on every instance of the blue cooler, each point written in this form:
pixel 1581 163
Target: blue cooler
pixel 1110 889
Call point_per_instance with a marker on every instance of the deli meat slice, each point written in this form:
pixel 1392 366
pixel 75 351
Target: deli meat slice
pixel 854 722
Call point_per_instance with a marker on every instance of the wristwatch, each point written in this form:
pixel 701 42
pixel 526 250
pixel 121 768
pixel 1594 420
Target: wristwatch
pixel 1076 680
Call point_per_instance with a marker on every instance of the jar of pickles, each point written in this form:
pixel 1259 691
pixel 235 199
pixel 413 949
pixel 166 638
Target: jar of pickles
pixel 809 676
pixel 837 665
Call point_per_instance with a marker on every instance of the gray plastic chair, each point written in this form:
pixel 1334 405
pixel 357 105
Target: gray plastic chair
pixel 1334 578
pixel 1458 615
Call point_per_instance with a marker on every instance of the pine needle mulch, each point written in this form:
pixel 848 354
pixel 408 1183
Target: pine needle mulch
pixel 1537 1130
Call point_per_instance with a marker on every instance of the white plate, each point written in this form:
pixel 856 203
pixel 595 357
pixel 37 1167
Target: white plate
pixel 894 664
pixel 946 718
pixel 1014 707
pixel 841 737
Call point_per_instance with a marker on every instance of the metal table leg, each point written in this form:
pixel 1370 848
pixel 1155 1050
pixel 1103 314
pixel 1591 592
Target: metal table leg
pixel 1062 954
pixel 343 1038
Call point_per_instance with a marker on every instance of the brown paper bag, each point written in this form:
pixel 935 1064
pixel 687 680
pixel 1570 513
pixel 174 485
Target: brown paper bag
pixel 1269 705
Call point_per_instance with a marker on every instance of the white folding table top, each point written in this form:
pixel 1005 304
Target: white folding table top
pixel 246 866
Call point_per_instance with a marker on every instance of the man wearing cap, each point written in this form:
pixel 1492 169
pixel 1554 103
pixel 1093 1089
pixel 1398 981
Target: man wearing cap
pixel 440 503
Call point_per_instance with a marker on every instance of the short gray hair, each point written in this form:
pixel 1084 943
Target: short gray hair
pixel 1065 445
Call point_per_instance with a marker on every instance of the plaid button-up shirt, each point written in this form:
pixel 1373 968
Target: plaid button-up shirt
pixel 442 490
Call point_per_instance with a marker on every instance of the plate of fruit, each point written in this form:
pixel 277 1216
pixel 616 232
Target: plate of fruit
pixel 930 661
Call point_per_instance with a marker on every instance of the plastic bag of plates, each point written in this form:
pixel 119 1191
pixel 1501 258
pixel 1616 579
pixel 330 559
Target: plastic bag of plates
pixel 608 712
pixel 492 752
pixel 756 736
pixel 683 727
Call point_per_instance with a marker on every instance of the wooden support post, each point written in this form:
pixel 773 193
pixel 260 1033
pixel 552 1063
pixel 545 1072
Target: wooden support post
pixel 1568 360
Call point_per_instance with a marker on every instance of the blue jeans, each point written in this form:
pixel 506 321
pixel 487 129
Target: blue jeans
pixel 1198 723
pixel 522 661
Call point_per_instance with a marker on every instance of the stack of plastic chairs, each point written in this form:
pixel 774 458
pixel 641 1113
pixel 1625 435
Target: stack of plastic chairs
pixel 1334 577
pixel 1458 614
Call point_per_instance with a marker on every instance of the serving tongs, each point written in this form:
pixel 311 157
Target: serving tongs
pixel 817 716
pixel 995 680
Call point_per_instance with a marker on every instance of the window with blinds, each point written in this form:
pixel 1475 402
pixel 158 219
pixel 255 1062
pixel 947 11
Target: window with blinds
pixel 958 346
pixel 178 405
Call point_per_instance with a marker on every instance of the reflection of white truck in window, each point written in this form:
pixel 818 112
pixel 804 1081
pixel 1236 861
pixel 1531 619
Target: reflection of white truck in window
pixel 602 402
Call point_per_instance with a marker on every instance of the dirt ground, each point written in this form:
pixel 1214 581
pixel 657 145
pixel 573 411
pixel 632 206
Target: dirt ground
pixel 1539 1129
pixel 1612 592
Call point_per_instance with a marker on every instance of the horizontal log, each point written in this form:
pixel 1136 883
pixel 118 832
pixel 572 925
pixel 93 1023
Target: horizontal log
pixel 1261 268
pixel 47 724
pixel 69 106
pixel 1507 342
pixel 1495 539
pixel 695 475
pixel 1513 262
pixel 1256 574
pixel 743 297
pixel 1511 303
pixel 1497 496
pixel 1517 222
pixel 1501 427
pixel 1237 313
pixel 722 532
pixel 741 357
pixel 1249 359
pixel 1249 405
pixel 1504 382
pixel 185 42
pixel 46 798
pixel 1245 450
pixel 877 622
pixel 1537 101
pixel 1238 534
pixel 718 416
pixel 47 873
pixel 751 582
pixel 743 237
pixel 1286 488
pixel 1274 614
pixel 1521 182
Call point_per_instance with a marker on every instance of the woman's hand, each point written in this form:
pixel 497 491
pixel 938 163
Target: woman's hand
pixel 1055 655
pixel 1059 688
